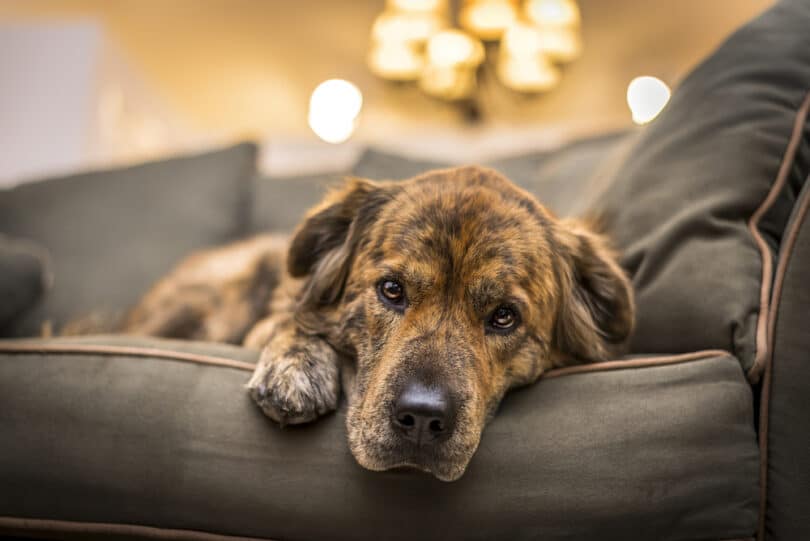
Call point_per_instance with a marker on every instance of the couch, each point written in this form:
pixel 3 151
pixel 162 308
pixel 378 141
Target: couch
pixel 702 432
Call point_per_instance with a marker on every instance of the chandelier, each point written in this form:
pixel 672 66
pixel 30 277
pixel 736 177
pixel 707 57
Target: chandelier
pixel 441 46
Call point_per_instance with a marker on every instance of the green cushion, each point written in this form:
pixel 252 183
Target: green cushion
pixel 785 407
pixel 110 234
pixel 555 176
pixel 379 164
pixel 279 203
pixel 558 177
pixel 150 433
pixel 679 207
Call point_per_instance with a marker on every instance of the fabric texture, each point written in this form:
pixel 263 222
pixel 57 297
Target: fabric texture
pixel 279 203
pixel 785 412
pixel 23 276
pixel 110 234
pixel 116 438
pixel 377 164
pixel 556 177
pixel 679 206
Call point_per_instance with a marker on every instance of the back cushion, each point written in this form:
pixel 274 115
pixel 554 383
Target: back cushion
pixel 110 234
pixel 23 276
pixel 555 176
pixel 700 202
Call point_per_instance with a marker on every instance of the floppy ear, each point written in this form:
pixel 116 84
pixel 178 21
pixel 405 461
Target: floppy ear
pixel 323 246
pixel 597 311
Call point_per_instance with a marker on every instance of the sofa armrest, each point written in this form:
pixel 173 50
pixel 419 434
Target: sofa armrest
pixel 115 436
pixel 785 402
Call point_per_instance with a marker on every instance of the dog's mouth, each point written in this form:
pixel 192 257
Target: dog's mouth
pixel 445 462
pixel 443 470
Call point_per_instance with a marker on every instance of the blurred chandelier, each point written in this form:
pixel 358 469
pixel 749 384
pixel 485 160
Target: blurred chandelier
pixel 526 40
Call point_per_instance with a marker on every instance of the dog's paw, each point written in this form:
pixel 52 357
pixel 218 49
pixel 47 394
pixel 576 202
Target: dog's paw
pixel 298 385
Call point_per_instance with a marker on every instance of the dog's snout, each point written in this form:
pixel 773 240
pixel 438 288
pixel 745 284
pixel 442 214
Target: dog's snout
pixel 424 414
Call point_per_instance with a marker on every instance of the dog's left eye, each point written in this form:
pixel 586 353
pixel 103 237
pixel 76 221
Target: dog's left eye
pixel 503 318
pixel 392 293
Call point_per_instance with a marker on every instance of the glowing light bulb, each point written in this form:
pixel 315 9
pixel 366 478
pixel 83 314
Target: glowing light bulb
pixel 333 110
pixel 454 48
pixel 557 13
pixel 646 97
pixel 522 39
pixel 423 6
pixel 487 19
pixel 395 61
pixel 528 74
pixel 396 27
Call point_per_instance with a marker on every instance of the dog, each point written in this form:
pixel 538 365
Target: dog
pixel 428 299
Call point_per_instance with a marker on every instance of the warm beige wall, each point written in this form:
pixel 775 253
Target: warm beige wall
pixel 246 67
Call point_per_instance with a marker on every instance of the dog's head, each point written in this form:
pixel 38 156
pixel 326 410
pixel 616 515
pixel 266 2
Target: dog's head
pixel 449 289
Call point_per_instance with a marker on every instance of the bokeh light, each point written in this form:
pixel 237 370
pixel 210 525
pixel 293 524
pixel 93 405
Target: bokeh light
pixel 333 110
pixel 556 13
pixel 646 97
pixel 454 48
pixel 488 19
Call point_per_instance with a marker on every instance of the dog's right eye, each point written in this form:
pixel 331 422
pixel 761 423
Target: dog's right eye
pixel 392 293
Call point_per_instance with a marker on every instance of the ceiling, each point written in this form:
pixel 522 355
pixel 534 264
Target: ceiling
pixel 247 67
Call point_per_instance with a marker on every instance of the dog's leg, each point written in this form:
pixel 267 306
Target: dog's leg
pixel 297 378
pixel 216 295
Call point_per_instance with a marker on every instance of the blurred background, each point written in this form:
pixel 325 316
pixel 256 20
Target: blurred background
pixel 92 83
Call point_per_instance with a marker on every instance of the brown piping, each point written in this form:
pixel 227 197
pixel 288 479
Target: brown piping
pixel 125 350
pixel 788 244
pixel 242 365
pixel 13 526
pixel 16 526
pixel 636 363
pixel 753 225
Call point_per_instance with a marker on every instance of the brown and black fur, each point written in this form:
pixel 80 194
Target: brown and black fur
pixel 462 242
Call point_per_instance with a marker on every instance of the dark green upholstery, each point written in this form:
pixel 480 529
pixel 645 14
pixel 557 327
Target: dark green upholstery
pixel 678 207
pixel 280 202
pixel 110 234
pixel 556 177
pixel 786 399
pixel 658 452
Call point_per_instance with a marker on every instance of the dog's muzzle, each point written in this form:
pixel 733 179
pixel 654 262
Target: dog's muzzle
pixel 423 416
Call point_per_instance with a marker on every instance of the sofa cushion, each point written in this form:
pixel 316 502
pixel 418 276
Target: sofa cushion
pixel 785 411
pixel 23 276
pixel 111 233
pixel 380 164
pixel 556 176
pixel 701 201
pixel 108 436
pixel 279 203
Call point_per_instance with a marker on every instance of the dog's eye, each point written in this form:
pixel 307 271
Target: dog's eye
pixel 503 318
pixel 392 293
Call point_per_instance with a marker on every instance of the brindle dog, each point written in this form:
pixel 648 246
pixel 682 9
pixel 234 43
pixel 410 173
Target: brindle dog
pixel 439 294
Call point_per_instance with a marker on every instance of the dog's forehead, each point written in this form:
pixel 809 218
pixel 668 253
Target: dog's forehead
pixel 468 221
pixel 474 204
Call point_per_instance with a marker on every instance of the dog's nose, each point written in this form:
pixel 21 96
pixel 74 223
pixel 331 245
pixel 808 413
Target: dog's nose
pixel 424 414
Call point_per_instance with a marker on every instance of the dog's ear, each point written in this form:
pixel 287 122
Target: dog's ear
pixel 597 310
pixel 323 245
